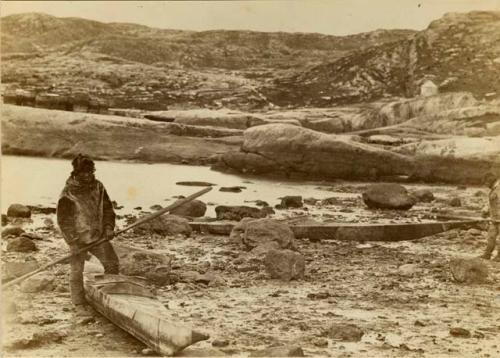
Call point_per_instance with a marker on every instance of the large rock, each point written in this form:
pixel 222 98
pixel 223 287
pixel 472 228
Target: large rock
pixel 138 262
pixel 388 196
pixel 43 281
pixel 468 270
pixel 237 213
pixel 194 209
pixel 21 244
pixel 167 225
pixel 259 232
pixel 285 265
pixel 281 351
pixel 287 149
pixel 18 211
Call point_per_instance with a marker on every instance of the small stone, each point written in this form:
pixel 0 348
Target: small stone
pixel 423 195
pixel 21 244
pixel 344 332
pixel 460 332
pixel 261 203
pixel 156 207
pixel 99 335
pixel 290 201
pixel 48 222
pixel 455 202
pixel 320 342
pixel 220 343
pixel 408 269
pixel 5 220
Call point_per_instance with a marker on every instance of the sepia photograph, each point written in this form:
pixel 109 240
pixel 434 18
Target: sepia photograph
pixel 280 178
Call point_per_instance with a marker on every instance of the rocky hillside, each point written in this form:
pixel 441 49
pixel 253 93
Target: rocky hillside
pixel 459 52
pixel 134 66
pixel 36 32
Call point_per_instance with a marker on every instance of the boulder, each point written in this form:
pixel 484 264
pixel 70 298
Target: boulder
pixel 264 231
pixel 11 270
pixel 237 213
pixel 194 209
pixel 138 262
pixel 21 244
pixel 282 351
pixel 12 231
pixel 290 202
pixel 42 281
pixel 285 265
pixel 168 225
pixel 344 332
pixel 388 196
pixel 285 149
pixel 18 211
pixel 423 195
pixel 468 270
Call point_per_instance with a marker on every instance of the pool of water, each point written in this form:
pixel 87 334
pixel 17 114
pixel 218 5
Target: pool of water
pixel 38 181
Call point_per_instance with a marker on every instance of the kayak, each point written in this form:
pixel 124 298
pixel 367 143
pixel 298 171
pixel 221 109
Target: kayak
pixel 128 303
pixel 355 232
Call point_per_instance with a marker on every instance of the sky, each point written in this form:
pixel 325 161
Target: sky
pixel 334 17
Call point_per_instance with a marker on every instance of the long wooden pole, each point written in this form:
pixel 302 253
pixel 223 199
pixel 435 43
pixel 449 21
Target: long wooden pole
pixel 98 242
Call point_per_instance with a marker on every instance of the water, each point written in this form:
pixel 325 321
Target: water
pixel 38 181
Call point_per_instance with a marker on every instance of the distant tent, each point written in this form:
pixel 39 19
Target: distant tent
pixel 428 88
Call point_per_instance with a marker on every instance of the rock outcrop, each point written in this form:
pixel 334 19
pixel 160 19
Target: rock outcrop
pixel 285 149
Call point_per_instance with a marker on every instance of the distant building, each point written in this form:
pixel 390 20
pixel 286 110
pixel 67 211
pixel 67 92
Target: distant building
pixel 428 88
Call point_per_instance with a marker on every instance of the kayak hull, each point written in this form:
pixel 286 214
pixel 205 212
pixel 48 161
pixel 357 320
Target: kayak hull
pixel 129 304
